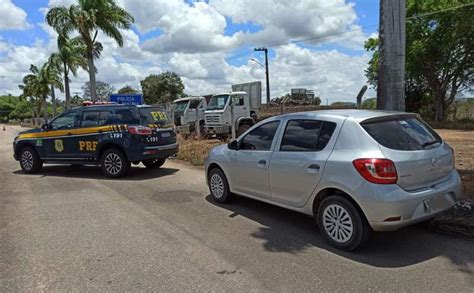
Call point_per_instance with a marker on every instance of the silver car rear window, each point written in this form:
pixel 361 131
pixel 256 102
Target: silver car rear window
pixel 402 133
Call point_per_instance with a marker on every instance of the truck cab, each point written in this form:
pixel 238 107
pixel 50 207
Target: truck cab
pixel 227 109
pixel 187 112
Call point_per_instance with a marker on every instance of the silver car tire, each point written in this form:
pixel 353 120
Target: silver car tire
pixel 341 224
pixel 218 186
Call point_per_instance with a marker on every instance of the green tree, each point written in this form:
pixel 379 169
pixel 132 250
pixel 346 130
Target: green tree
pixel 370 104
pixel 40 81
pixel 69 59
pixel 88 17
pixel 127 90
pixel 439 55
pixel 103 90
pixel 162 88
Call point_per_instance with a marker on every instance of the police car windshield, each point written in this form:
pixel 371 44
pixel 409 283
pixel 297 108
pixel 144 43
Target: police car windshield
pixel 154 115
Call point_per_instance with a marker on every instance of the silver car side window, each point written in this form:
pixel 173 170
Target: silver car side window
pixel 261 138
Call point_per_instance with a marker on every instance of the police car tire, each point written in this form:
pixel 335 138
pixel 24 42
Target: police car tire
pixel 154 164
pixel 36 162
pixel 117 155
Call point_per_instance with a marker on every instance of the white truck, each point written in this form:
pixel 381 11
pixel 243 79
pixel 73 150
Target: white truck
pixel 240 107
pixel 187 112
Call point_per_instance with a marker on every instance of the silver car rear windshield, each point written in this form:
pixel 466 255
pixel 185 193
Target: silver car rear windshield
pixel 402 133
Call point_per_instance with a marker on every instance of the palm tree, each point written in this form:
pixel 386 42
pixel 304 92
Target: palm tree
pixel 39 82
pixel 89 17
pixel 27 92
pixel 68 59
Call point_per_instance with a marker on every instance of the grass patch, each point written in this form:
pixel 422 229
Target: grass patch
pixel 195 151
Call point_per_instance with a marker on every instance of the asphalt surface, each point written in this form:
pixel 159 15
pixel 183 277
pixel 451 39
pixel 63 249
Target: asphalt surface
pixel 70 229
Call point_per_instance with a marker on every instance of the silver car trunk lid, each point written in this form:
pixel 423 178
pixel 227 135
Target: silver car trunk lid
pixel 423 168
pixel 421 158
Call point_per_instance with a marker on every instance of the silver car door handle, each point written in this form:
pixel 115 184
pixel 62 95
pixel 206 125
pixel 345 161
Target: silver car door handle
pixel 262 163
pixel 313 168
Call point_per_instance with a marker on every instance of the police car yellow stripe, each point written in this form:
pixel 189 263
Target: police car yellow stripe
pixel 64 132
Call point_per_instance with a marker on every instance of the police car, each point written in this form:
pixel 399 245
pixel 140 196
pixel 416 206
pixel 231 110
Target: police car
pixel 110 135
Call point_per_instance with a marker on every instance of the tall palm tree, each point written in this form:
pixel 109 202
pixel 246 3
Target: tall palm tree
pixel 88 17
pixel 28 93
pixel 68 59
pixel 40 80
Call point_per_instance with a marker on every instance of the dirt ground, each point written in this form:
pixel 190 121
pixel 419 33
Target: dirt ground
pixel 462 142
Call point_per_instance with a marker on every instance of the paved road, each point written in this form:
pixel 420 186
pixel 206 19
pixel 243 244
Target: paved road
pixel 69 228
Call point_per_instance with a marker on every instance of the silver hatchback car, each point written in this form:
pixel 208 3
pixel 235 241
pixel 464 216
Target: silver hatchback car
pixel 352 170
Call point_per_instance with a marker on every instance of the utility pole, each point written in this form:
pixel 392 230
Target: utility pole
pixel 266 71
pixel 391 71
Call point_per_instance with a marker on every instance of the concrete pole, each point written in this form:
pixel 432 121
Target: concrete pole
pixel 391 71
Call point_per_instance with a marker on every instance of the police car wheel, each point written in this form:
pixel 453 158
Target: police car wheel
pixel 30 162
pixel 154 164
pixel 114 164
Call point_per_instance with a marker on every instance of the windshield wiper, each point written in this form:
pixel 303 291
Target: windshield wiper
pixel 426 144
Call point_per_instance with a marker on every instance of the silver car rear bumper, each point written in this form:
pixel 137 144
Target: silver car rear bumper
pixel 389 207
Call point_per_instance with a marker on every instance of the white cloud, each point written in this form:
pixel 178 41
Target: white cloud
pixel 193 44
pixel 12 17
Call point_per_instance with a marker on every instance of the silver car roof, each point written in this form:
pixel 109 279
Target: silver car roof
pixel 358 115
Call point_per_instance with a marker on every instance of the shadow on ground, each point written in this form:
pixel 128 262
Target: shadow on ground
pixel 135 173
pixel 292 232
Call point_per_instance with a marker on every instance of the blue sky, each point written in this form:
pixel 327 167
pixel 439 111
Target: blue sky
pixel 230 31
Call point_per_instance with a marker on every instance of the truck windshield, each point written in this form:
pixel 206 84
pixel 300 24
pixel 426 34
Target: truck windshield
pixel 217 102
pixel 155 115
pixel 193 104
pixel 181 106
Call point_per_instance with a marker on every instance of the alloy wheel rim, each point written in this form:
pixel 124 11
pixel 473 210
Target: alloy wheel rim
pixel 217 186
pixel 27 160
pixel 113 163
pixel 338 223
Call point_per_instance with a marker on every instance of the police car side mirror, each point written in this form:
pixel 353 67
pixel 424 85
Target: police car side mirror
pixel 233 145
pixel 45 126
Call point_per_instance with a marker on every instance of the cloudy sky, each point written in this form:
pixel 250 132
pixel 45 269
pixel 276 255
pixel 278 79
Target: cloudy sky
pixel 315 44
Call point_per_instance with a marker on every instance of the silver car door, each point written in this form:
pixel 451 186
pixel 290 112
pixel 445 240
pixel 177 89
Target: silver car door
pixel 298 162
pixel 249 166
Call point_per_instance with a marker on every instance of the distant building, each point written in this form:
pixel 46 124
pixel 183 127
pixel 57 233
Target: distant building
pixel 302 94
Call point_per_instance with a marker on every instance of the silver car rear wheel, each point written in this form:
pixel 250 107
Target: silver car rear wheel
pixel 342 223
pixel 338 223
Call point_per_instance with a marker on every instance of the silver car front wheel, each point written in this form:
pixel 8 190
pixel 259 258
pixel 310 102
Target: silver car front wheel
pixel 218 185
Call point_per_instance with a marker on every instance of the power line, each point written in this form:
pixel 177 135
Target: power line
pixel 349 31
pixel 439 11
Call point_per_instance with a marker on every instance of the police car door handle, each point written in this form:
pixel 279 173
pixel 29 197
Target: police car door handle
pixel 69 133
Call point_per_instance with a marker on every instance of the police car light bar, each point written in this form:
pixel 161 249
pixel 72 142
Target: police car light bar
pixel 91 103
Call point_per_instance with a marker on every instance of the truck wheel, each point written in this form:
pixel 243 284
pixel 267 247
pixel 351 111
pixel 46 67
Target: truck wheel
pixel 242 128
pixel 154 164
pixel 30 162
pixel 114 164
pixel 341 224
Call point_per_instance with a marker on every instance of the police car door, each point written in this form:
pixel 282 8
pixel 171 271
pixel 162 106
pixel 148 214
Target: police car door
pixel 91 123
pixel 58 139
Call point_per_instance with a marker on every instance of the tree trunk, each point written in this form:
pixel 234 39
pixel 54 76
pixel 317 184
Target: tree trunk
pixel 45 109
pixel 33 116
pixel 391 71
pixel 67 91
pixel 92 85
pixel 53 100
